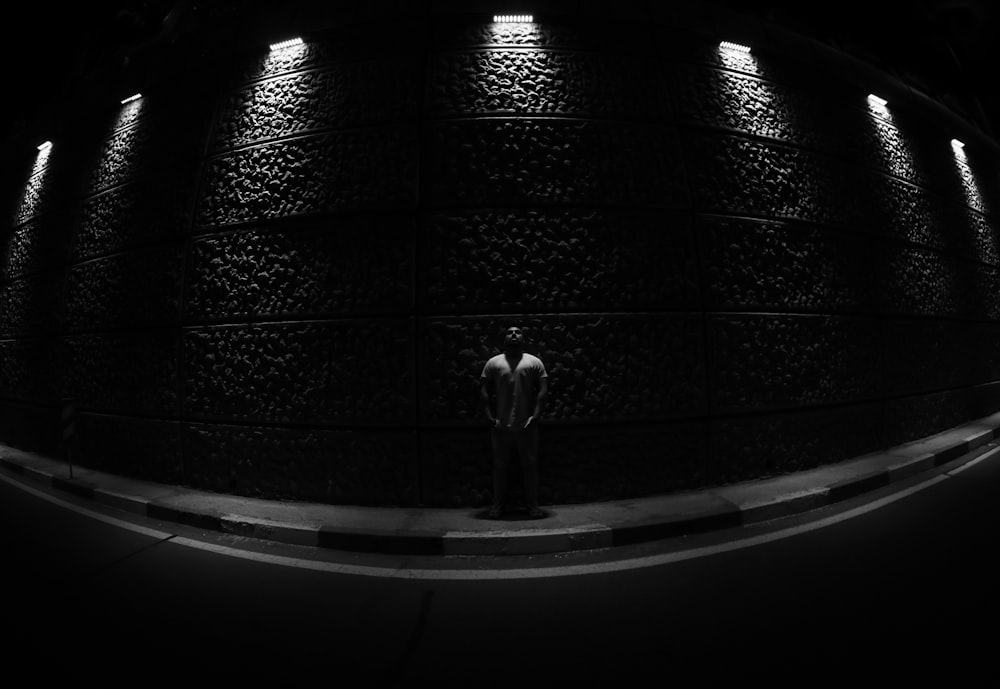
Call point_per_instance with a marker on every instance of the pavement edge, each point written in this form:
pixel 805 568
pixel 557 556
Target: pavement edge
pixel 513 540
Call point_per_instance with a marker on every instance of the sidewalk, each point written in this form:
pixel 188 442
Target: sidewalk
pixel 431 531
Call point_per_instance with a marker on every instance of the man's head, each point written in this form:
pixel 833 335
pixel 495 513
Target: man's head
pixel 513 337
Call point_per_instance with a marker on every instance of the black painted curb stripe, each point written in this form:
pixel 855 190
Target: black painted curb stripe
pixel 792 504
pixel 375 543
pixel 12 465
pixel 173 514
pixel 945 456
pixel 626 535
pixel 851 489
pixel 72 487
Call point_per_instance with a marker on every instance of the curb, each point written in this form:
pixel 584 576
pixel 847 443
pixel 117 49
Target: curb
pixel 407 532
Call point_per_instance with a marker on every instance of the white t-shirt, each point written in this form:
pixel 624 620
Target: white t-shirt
pixel 516 388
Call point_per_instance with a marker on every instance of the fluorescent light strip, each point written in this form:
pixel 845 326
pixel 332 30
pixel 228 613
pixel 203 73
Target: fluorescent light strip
pixel 955 143
pixel 286 44
pixel 734 46
pixel 512 18
pixel 131 98
pixel 45 146
pixel 876 101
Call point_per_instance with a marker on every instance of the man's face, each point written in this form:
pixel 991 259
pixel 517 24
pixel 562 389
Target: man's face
pixel 513 337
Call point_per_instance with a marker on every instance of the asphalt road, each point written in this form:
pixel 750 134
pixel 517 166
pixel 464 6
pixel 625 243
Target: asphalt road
pixel 899 585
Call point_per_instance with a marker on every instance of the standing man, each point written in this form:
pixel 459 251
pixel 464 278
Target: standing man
pixel 520 384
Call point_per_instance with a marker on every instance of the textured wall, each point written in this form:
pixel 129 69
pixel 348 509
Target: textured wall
pixel 279 274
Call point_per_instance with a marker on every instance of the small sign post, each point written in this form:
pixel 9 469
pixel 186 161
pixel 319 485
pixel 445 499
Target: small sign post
pixel 68 414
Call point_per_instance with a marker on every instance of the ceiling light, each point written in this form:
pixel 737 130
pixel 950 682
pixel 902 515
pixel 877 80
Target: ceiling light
pixel 955 143
pixel 512 18
pixel 286 44
pixel 45 146
pixel 876 101
pixel 131 98
pixel 734 46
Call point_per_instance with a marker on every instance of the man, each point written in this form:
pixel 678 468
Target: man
pixel 520 385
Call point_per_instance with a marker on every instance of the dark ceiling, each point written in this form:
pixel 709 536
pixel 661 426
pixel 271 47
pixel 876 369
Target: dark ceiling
pixel 942 47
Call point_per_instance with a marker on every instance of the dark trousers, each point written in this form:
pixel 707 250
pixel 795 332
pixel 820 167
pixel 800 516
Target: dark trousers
pixel 525 442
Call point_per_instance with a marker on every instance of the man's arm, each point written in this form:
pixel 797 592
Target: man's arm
pixel 484 400
pixel 543 390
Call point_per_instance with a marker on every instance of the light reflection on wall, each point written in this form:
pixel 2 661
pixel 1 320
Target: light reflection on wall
pixel 520 81
pixel 279 56
pixel 42 159
pixel 897 156
pixel 900 259
pixel 739 60
pixel 115 169
pixel 523 81
pixel 750 104
pixel 516 33
pixel 128 114
pixel 34 189
pixel 970 185
pixel 896 150
pixel 282 113
pixel 118 158
pixel 267 96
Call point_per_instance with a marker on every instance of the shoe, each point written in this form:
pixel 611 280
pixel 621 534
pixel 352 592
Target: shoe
pixel 495 512
pixel 535 513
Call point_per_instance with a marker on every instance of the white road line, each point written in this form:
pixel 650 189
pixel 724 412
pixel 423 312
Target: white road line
pixel 402 572
pixel 298 562
pixel 86 512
